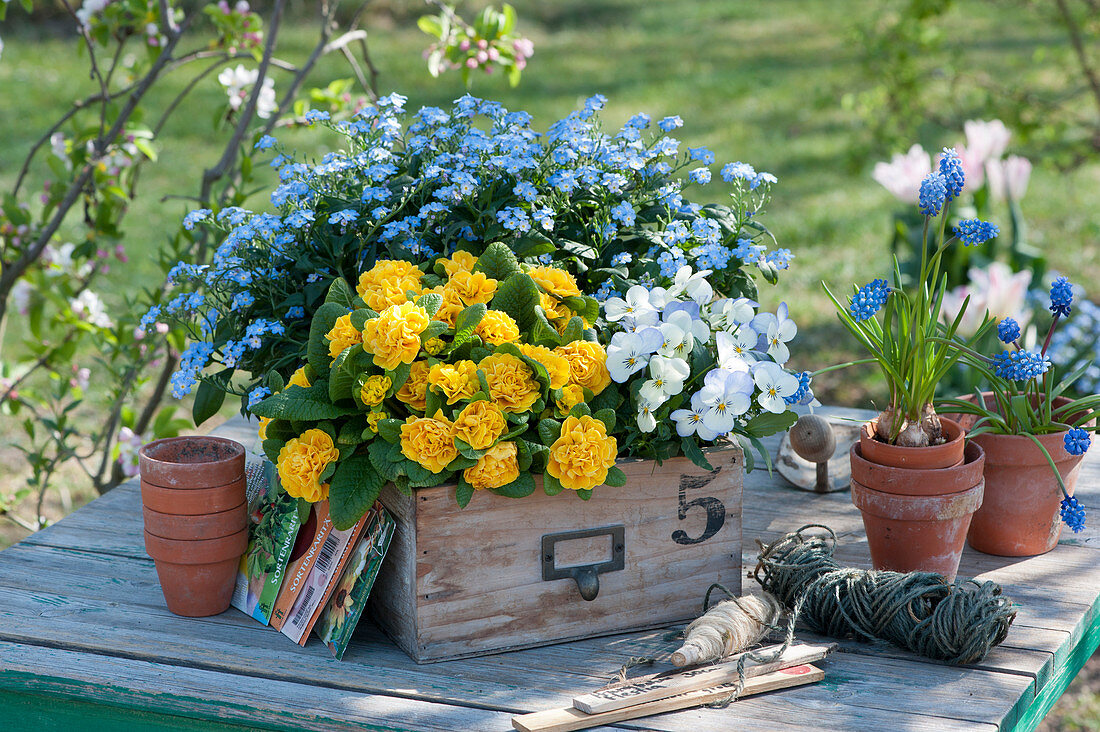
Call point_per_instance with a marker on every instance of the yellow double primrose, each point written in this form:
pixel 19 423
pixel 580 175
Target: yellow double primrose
pixel 429 441
pixel 301 462
pixel 557 282
pixel 387 283
pixel 394 336
pixel 459 262
pixel 512 385
pixel 374 390
pixel 557 366
pixel 414 391
pixel 497 327
pixel 587 364
pixel 496 468
pixel 342 335
pixel 480 424
pixel 299 378
pixel 455 381
pixel 472 287
pixel 581 457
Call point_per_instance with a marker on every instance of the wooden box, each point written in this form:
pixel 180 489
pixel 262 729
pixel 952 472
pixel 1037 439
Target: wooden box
pixel 466 582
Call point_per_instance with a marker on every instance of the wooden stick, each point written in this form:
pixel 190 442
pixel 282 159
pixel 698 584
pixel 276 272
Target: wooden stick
pixel 569 719
pixel 659 686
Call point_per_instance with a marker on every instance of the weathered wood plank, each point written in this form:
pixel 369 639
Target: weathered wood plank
pixel 121 684
pixel 236 644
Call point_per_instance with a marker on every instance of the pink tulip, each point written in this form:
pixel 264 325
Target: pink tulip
pixel 986 140
pixel 902 176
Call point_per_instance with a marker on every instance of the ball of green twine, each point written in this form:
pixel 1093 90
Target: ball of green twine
pixel 954 622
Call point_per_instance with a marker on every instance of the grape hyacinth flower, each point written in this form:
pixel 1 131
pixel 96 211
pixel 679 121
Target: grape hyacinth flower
pixel 952 172
pixel 973 231
pixel 869 299
pixel 933 193
pixel 1020 365
pixel 1077 441
pixel 1061 296
pixel 1008 330
pixel 1073 513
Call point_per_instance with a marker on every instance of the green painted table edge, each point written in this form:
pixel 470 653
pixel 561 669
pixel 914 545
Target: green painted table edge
pixel 41 711
pixel 1064 673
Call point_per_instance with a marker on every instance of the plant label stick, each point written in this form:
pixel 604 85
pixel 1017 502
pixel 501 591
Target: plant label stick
pixel 569 719
pixel 660 686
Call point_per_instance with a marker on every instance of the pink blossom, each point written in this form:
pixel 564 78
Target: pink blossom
pixel 986 140
pixel 80 377
pixel 973 167
pixel 523 47
pixel 464 45
pixel 902 176
pixel 162 328
pixel 996 290
pixel 482 57
pixel 494 54
pixel 1009 177
pixel 471 63
pixel 482 44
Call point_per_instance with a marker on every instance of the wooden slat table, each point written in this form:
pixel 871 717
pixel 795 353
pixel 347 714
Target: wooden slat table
pixel 86 643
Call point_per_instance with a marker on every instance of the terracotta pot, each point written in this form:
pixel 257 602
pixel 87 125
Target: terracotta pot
pixel 935 457
pixel 193 462
pixel 197 577
pixel 193 502
pixel 1020 516
pixel 196 527
pixel 924 531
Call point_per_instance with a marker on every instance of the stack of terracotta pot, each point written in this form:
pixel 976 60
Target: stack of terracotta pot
pixel 196 520
pixel 917 502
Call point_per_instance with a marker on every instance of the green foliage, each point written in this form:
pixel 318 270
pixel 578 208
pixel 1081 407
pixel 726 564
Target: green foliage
pixel 498 261
pixel 300 404
pixel 354 489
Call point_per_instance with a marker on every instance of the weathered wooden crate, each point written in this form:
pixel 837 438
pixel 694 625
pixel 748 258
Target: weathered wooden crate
pixel 468 582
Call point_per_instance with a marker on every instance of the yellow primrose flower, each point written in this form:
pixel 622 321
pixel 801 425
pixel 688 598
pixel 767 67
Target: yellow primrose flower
pixel 373 418
pixel 342 335
pixel 301 462
pixel 498 467
pixel 299 378
pixel 429 441
pixel 554 310
pixel 557 282
pixel 455 381
pixel 582 455
pixel 459 262
pixel 374 390
pixel 414 391
pixel 451 307
pixel 587 364
pixel 497 327
pixel 480 424
pixel 512 386
pixel 394 336
pixel 387 283
pixel 262 430
pixel 571 396
pixel 434 346
pixel 556 364
pixel 472 287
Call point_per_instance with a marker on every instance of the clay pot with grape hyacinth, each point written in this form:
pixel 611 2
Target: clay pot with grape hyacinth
pixel 1035 437
pixel 914 478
